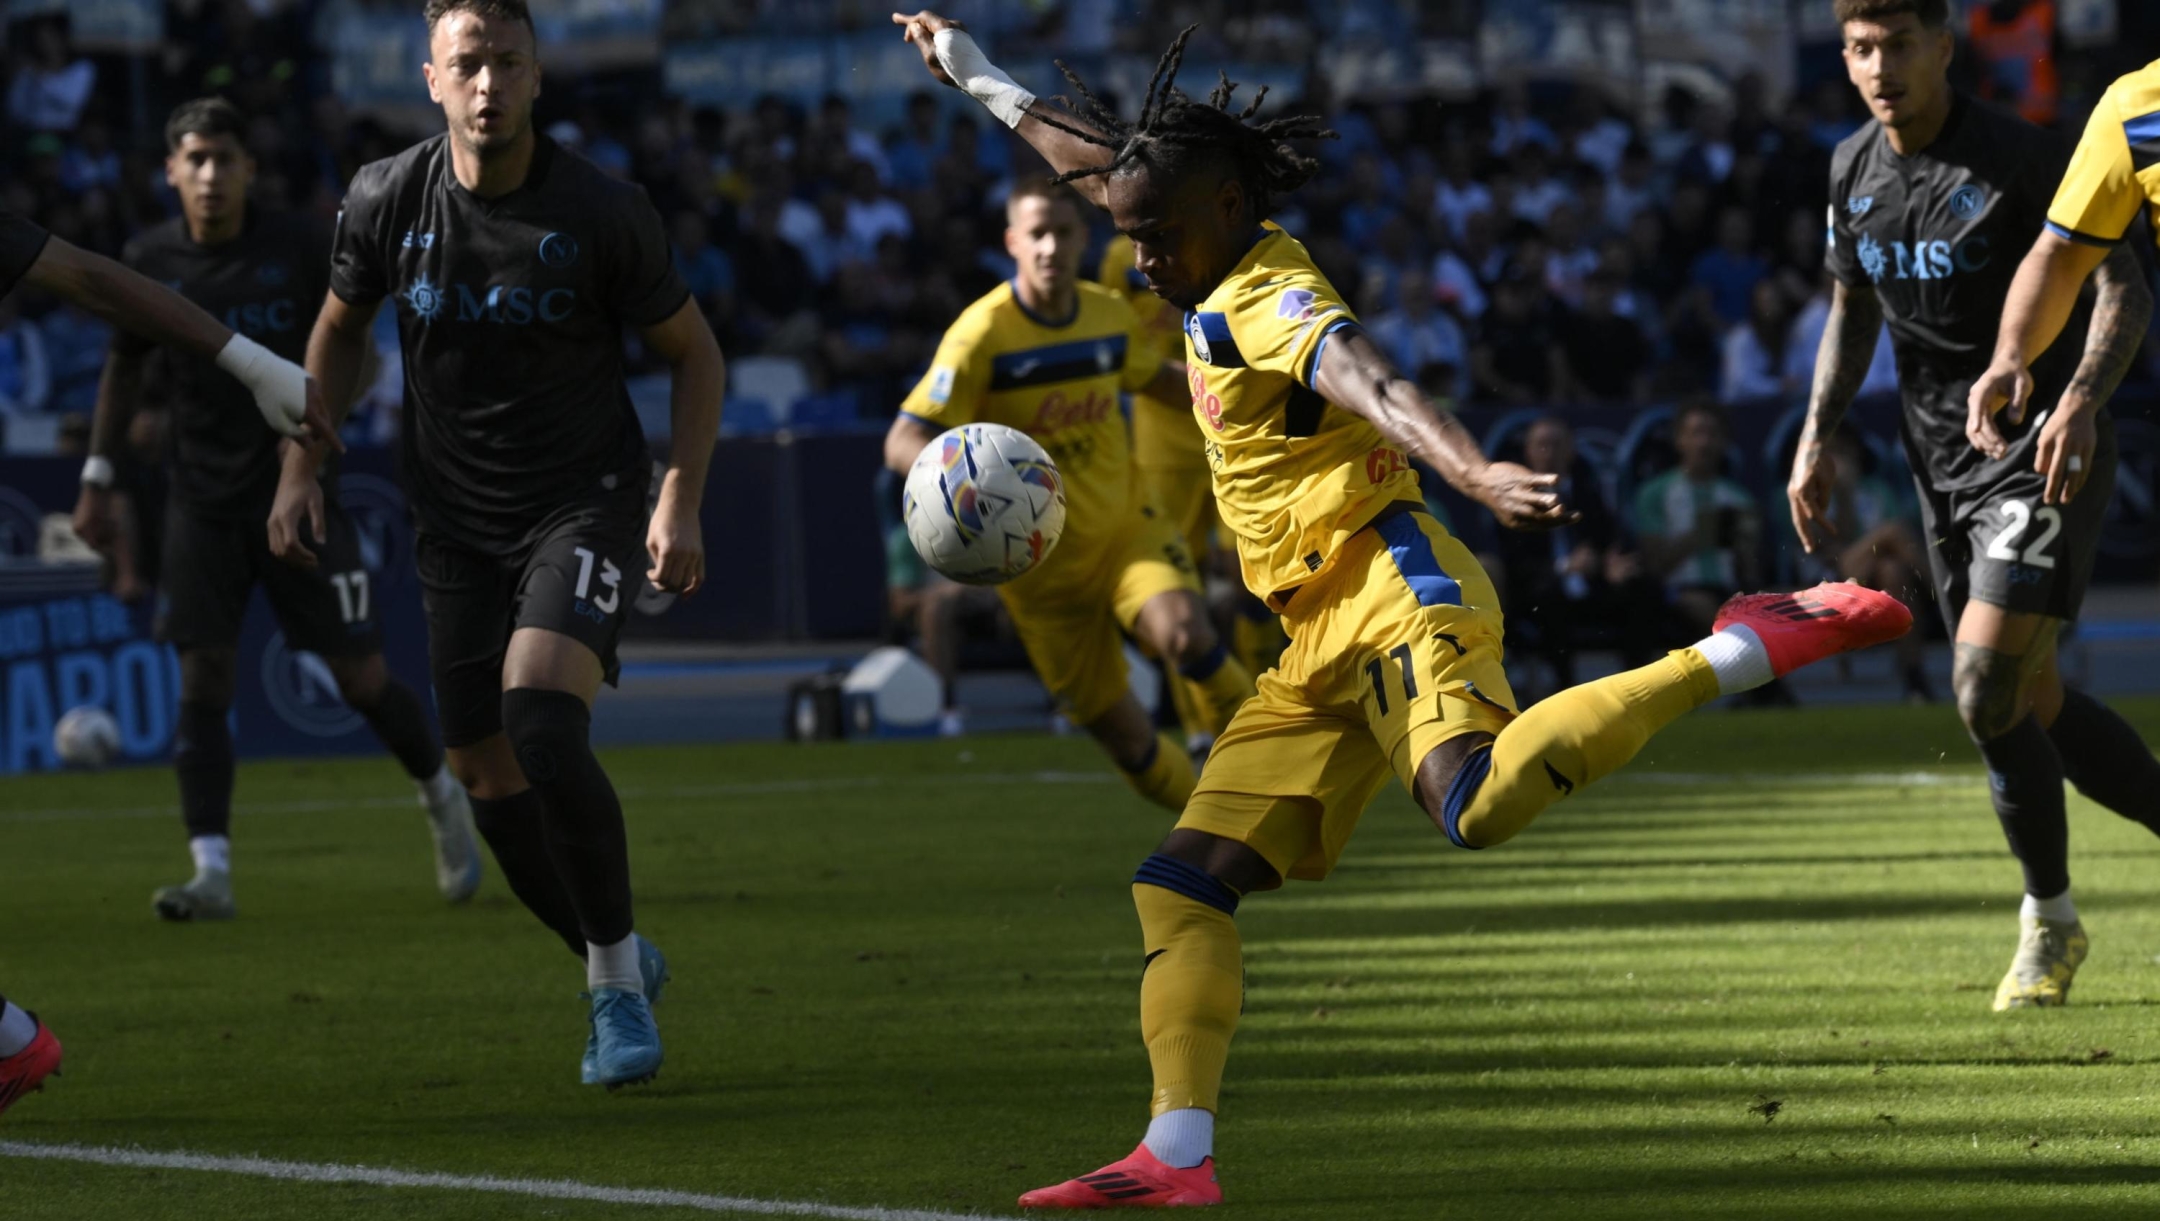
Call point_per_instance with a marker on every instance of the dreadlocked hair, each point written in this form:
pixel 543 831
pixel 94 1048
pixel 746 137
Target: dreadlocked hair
pixel 1175 134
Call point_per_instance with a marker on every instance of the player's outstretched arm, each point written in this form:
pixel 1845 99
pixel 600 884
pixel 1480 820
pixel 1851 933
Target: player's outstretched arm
pixel 697 383
pixel 2042 296
pixel 904 442
pixel 1850 334
pixel 141 306
pixel 1354 375
pixel 950 53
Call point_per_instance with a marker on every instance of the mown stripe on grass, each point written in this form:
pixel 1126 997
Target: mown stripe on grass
pixel 544 1189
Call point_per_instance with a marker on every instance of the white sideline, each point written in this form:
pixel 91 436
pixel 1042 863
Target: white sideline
pixel 544 1189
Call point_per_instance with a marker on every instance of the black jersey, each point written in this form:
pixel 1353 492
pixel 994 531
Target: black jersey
pixel 21 242
pixel 510 312
pixel 267 284
pixel 1938 236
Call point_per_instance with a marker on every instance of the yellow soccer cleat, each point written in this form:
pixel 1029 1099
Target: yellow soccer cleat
pixel 2048 955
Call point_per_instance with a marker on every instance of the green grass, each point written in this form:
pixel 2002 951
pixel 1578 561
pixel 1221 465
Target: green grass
pixel 905 975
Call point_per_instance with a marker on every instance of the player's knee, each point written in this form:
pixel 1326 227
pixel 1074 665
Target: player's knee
pixel 487 768
pixel 1988 697
pixel 206 677
pixel 361 680
pixel 550 731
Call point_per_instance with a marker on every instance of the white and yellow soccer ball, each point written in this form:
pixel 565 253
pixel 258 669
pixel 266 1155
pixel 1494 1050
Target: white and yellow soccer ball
pixel 86 736
pixel 984 504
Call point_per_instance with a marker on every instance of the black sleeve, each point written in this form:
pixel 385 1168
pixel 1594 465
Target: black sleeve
pixel 359 257
pixel 642 285
pixel 21 242
pixel 1841 257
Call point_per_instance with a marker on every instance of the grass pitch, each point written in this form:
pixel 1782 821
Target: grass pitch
pixel 1749 978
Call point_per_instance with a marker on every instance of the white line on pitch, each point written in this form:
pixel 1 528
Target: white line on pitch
pixel 679 792
pixel 545 1189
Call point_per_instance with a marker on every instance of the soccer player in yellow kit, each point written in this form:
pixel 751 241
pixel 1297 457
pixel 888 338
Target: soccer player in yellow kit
pixel 1048 354
pixel 1394 665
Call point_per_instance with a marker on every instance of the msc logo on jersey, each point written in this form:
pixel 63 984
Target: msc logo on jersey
pixel 1871 257
pixel 1858 205
pixel 502 304
pixel 558 250
pixel 1928 260
pixel 1968 202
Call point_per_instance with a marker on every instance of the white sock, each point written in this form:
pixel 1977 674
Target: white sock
pixel 1182 1139
pixel 212 853
pixel 614 966
pixel 2059 910
pixel 1738 656
pixel 16 1029
pixel 437 789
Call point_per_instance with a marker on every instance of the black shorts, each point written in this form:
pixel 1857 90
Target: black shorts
pixel 578 574
pixel 2001 545
pixel 211 563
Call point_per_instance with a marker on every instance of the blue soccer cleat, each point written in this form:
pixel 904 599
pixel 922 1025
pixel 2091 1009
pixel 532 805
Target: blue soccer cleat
pixel 624 1048
pixel 652 966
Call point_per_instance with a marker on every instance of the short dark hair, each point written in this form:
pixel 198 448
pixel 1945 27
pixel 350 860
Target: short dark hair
pixel 1701 406
pixel 505 10
pixel 1933 14
pixel 206 117
pixel 1045 188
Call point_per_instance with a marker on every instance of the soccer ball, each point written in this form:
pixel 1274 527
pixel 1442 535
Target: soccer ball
pixel 984 504
pixel 87 736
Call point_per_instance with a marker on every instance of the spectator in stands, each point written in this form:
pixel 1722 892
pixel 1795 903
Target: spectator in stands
pixel 912 152
pixel 1602 357
pixel 1569 258
pixel 1806 341
pixel 1423 340
pixel 1700 531
pixel 75 343
pixel 25 376
pixel 1538 189
pixel 778 294
pixel 1513 360
pixel 1369 207
pixel 1460 193
pixel 1755 363
pixel 1880 548
pixel 704 267
pixel 1514 126
pixel 52 86
pixel 846 144
pixel 1710 155
pixel 872 214
pixel 1631 188
pixel 1578 586
pixel 1725 276
pixel 90 162
pixel 1595 136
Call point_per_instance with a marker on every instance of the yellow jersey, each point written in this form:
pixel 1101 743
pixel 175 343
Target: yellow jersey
pixel 1163 434
pixel 1058 382
pixel 1295 476
pixel 2116 169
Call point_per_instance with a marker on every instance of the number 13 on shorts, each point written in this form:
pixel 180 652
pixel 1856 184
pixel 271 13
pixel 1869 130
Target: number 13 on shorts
pixel 610 581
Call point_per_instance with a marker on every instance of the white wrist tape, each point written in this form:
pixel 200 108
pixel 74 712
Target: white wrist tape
pixel 279 385
pixel 979 78
pixel 97 471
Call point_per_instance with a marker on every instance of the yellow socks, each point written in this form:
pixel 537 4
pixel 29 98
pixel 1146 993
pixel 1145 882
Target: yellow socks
pixel 1194 983
pixel 1167 777
pixel 1568 740
pixel 1214 687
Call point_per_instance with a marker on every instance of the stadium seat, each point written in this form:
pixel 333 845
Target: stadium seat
pixel 747 417
pixel 778 380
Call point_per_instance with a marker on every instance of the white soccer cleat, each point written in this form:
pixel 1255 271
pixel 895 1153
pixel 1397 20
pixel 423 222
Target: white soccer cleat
pixel 2047 960
pixel 457 844
pixel 206 896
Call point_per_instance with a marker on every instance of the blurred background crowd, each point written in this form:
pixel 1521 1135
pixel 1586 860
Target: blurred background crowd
pixel 1578 209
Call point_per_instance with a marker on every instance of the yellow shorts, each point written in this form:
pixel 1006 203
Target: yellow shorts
pixel 1394 649
pixel 1186 496
pixel 1072 630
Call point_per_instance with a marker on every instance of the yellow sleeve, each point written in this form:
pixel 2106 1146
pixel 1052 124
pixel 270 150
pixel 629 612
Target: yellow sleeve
pixel 2100 193
pixel 951 393
pixel 1281 327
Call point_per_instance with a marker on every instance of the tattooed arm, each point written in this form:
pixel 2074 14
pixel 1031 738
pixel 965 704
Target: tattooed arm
pixel 2040 303
pixel 1848 347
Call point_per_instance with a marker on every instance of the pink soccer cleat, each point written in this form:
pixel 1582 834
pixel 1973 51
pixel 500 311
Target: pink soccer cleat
pixel 1800 629
pixel 1140 1181
pixel 26 1070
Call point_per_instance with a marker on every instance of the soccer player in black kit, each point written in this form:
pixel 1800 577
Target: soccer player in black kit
pixel 1931 207
pixel 282 393
pixel 264 274
pixel 513 266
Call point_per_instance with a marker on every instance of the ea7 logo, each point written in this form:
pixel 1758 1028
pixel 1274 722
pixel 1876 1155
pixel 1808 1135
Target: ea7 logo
pixel 1858 205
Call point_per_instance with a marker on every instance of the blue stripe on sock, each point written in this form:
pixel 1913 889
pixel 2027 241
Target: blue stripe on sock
pixel 1194 883
pixel 1414 558
pixel 1468 780
pixel 1201 669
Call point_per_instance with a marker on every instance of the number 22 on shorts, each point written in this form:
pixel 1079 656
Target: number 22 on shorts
pixel 2019 517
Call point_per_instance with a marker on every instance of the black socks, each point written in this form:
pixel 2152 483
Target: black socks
pixel 515 830
pixel 550 731
pixel 2025 777
pixel 203 759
